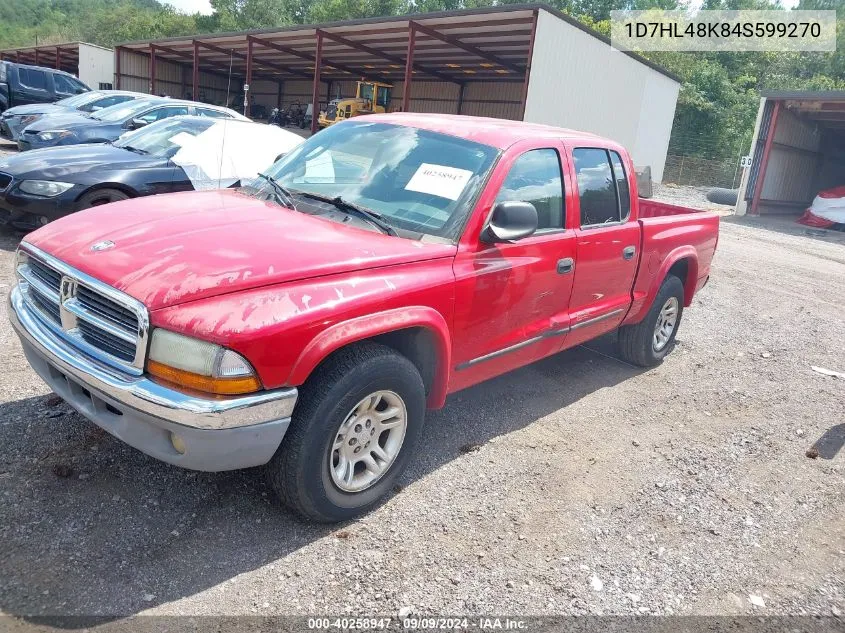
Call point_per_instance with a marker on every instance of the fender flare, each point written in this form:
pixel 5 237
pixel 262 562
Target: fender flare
pixel 370 325
pixel 641 307
pixel 682 252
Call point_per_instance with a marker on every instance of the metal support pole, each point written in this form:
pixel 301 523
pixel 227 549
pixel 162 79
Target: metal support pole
pixel 196 73
pixel 409 67
pixel 315 89
pixel 248 82
pixel 152 69
pixel 116 66
pixel 36 57
pixel 528 67
pixel 58 58
pixel 461 97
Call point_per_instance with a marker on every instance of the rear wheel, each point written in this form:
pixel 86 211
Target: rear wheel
pixel 101 196
pixel 354 429
pixel 649 341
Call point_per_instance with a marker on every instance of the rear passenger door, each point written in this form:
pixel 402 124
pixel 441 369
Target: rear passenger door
pixel 608 243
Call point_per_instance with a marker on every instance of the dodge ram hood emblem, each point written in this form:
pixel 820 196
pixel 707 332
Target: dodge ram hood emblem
pixel 102 246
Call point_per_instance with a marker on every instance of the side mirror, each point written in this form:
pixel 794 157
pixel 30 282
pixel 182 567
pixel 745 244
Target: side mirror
pixel 510 220
pixel 134 124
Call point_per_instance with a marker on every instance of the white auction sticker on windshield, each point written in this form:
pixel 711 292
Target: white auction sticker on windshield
pixel 439 180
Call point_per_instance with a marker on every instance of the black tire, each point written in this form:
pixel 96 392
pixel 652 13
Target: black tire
pixel 636 342
pixel 99 197
pixel 723 196
pixel 299 471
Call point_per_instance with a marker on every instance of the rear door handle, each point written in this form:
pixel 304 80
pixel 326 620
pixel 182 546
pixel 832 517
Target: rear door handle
pixel 565 265
pixel 628 252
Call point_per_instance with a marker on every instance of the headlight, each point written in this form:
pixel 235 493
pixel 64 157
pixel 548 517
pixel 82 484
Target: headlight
pixel 52 135
pixel 199 365
pixel 46 188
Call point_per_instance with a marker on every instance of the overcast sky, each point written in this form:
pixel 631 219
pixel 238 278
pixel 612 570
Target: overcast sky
pixel 204 6
pixel 191 6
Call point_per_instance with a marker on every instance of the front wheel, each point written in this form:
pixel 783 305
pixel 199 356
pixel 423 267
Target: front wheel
pixel 649 341
pixel 354 429
pixel 99 197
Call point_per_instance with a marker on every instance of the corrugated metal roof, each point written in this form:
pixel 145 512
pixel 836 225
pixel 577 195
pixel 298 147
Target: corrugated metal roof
pixel 487 44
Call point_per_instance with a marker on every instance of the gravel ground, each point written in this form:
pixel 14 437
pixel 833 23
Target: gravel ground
pixel 577 485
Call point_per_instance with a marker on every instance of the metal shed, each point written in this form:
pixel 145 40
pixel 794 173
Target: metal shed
pixel 798 149
pixel 524 62
pixel 91 63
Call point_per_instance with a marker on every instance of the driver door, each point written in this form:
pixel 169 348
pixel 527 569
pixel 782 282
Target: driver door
pixel 512 298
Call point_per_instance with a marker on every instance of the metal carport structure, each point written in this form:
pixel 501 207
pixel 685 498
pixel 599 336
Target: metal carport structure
pixel 474 61
pixel 60 56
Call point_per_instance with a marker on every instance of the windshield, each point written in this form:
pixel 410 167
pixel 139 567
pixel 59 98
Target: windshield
pixel 77 100
pixel 122 111
pixel 417 181
pixel 163 138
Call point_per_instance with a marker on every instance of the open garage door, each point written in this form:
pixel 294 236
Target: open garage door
pixel 798 151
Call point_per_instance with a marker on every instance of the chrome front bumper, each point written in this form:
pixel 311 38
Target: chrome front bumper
pixel 218 434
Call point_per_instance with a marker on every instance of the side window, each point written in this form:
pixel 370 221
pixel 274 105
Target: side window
pixel 535 177
pixel 105 102
pixel 621 184
pixel 64 85
pixel 596 187
pixel 33 78
pixel 164 113
pixel 213 114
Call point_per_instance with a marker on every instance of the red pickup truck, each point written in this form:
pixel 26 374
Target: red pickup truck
pixel 308 320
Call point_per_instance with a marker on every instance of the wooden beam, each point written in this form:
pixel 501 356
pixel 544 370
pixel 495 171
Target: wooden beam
pixel 292 71
pixel 315 87
pixel 307 56
pixel 409 69
pixel 116 65
pixel 528 67
pixel 152 69
pixel 391 58
pixel 469 48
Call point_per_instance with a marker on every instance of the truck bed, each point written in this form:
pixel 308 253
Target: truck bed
pixel 655 209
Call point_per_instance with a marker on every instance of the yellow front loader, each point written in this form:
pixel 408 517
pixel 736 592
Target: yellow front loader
pixel 370 97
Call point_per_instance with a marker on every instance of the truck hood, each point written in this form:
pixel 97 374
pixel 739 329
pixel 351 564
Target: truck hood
pixel 174 248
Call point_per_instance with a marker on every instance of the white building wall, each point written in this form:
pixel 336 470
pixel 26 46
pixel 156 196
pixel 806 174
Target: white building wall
pixel 578 81
pixel 96 65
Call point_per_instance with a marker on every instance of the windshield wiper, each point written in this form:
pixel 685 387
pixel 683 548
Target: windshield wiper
pixel 282 192
pixel 351 208
pixel 137 150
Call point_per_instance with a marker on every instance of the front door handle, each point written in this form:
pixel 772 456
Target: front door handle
pixel 628 252
pixel 565 265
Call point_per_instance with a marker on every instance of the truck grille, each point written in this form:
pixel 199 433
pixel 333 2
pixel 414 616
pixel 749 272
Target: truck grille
pixel 103 322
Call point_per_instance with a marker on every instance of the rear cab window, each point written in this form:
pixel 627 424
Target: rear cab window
pixel 603 190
